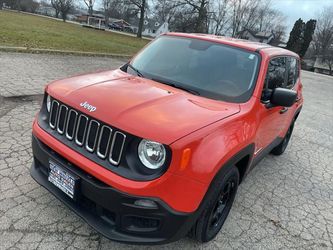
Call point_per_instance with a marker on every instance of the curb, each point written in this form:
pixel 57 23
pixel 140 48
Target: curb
pixel 61 52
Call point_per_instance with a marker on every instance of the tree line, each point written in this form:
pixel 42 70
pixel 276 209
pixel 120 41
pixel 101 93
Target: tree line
pixel 22 5
pixel 62 7
pixel 323 37
pixel 301 36
pixel 314 38
pixel 219 17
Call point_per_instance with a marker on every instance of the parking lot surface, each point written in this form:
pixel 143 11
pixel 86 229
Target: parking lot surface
pixel 286 202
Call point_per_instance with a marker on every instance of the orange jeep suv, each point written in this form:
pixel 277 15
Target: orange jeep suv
pixel 156 149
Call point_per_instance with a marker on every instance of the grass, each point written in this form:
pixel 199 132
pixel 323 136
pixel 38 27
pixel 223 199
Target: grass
pixel 23 30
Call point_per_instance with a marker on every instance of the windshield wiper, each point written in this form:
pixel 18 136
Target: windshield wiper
pixel 135 70
pixel 194 92
pixel 167 82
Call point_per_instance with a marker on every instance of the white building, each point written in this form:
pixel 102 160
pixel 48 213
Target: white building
pixel 261 36
pixel 154 28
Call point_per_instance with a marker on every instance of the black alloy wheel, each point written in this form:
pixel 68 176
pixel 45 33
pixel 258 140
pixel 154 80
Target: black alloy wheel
pixel 217 205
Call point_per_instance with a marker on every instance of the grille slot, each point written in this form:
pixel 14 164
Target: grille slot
pixel 92 135
pixel 62 119
pixel 53 114
pixel 81 129
pixel 104 141
pixel 71 123
pixel 117 147
pixel 95 137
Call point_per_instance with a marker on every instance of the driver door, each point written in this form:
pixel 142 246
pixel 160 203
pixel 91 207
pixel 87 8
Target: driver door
pixel 271 119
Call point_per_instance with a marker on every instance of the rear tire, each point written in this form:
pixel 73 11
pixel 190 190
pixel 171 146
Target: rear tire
pixel 219 202
pixel 279 149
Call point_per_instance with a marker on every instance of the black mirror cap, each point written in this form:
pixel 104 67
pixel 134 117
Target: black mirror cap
pixel 283 97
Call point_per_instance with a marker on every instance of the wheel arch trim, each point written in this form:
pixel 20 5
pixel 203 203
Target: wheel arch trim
pixel 247 151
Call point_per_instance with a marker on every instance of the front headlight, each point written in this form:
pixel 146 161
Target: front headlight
pixel 48 103
pixel 152 154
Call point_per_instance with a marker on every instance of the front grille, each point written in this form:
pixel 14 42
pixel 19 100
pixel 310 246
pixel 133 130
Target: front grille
pixel 86 132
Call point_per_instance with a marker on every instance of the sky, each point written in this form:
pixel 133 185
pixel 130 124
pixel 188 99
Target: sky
pixel 305 9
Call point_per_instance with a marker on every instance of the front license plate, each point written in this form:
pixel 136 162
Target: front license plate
pixel 65 181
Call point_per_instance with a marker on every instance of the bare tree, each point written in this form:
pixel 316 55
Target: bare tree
pixel 107 6
pixel 183 20
pixel 142 6
pixel 245 15
pixel 65 7
pixel 200 7
pixel 121 9
pixel 238 13
pixel 279 33
pixel 13 4
pixel 22 5
pixel 30 6
pixel 323 38
pixel 35 5
pixel 220 17
pixel 165 10
pixel 188 15
pixel 56 6
pixel 227 17
pixel 324 31
pixel 268 18
pixel 90 6
pixel 256 15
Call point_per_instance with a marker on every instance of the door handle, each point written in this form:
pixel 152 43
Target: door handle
pixel 283 110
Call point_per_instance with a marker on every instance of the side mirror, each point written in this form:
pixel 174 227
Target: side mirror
pixel 283 97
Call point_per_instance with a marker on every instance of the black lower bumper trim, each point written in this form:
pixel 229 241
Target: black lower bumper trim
pixel 109 211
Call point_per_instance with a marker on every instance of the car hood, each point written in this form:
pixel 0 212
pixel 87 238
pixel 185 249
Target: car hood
pixel 140 106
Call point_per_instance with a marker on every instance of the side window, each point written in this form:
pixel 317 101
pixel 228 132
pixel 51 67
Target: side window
pixel 275 78
pixel 292 72
pixel 276 73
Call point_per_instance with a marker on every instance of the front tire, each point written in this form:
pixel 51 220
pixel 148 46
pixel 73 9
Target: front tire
pixel 279 149
pixel 219 202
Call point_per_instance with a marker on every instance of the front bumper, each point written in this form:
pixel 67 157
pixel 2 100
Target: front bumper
pixel 180 193
pixel 109 211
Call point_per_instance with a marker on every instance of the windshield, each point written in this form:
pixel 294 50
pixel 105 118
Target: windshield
pixel 204 68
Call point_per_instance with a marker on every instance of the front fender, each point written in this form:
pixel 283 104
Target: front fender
pixel 214 147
